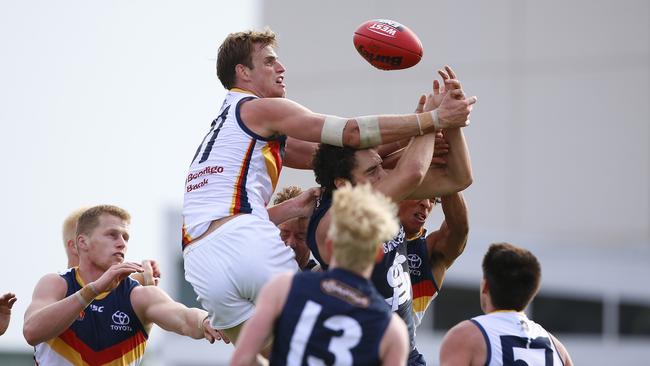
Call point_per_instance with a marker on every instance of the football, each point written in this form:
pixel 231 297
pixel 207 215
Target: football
pixel 387 44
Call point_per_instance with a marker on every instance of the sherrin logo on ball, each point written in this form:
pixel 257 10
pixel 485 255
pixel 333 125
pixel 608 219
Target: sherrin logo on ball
pixel 387 44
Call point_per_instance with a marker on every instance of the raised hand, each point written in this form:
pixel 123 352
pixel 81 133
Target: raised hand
pixel 7 301
pixel 306 201
pixel 115 274
pixel 454 110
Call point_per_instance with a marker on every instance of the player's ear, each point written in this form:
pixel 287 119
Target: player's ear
pixel 72 246
pixel 340 182
pixel 82 242
pixel 484 286
pixel 242 72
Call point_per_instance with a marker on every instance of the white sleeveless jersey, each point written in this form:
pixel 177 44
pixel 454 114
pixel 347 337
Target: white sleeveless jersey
pixel 233 171
pixel 511 338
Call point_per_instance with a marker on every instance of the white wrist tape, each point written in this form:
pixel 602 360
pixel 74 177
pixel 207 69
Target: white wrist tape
pixel 369 133
pixel 436 120
pixel 428 119
pixel 332 132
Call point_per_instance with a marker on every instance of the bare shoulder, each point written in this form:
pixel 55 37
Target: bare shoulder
pixel 564 354
pixel 397 327
pixel 51 283
pixel 269 108
pixel 463 345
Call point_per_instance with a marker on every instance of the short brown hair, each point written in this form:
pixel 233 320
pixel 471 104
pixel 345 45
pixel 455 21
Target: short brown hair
pixel 512 274
pixel 362 219
pixel 287 193
pixel 89 220
pixel 237 49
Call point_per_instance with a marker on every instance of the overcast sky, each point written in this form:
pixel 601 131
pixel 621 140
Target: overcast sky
pixel 102 102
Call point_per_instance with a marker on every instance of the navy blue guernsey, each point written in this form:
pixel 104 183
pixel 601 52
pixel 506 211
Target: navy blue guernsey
pixel 108 331
pixel 390 276
pixel 334 317
pixel 323 204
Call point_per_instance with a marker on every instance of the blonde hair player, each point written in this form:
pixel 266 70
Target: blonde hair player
pixel 95 313
pixel 150 276
pixel 342 318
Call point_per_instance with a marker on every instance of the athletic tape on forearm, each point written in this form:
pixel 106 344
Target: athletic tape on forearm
pixel 428 119
pixel 369 132
pixel 332 132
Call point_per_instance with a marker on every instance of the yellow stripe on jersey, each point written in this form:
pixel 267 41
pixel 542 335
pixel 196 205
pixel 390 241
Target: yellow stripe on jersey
pixel 421 303
pixel 128 358
pixel 65 351
pixel 270 153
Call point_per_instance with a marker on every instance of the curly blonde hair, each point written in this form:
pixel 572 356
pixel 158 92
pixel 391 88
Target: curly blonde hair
pixel 362 219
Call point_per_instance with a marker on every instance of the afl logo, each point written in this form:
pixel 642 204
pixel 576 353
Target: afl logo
pixel 414 261
pixel 120 318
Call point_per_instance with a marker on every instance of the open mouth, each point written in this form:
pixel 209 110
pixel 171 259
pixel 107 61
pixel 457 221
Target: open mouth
pixel 280 81
pixel 420 217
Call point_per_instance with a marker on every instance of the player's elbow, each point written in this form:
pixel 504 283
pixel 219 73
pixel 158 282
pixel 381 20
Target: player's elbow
pixel 413 173
pixel 463 181
pixel 29 333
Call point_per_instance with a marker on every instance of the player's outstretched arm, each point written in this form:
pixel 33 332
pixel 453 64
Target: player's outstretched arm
pixel 299 206
pixel 6 303
pixel 259 327
pixel 448 243
pixel 270 116
pixel 154 306
pixel 51 312
pixel 298 154
pixel 394 346
pixel 463 345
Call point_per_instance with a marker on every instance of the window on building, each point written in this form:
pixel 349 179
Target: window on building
pixel 634 319
pixel 560 314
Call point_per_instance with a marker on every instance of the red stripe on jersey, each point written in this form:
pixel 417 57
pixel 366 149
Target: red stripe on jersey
pixel 240 188
pixel 106 355
pixel 423 288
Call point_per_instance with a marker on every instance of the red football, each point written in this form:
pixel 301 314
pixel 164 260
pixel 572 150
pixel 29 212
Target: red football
pixel 387 44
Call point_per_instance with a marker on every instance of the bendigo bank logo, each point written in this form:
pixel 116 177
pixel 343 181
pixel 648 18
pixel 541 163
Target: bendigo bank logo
pixel 121 321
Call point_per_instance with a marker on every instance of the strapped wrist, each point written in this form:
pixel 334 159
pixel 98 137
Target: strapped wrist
pixel 201 319
pixel 84 303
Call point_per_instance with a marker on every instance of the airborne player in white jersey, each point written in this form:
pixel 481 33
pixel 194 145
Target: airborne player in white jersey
pixel 504 336
pixel 230 245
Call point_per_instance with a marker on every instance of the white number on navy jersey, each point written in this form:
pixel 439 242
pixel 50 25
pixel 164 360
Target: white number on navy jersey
pixel 399 281
pixel 522 351
pixel 339 346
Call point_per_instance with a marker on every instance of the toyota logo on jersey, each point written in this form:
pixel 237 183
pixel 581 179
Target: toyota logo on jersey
pixel 120 318
pixel 414 261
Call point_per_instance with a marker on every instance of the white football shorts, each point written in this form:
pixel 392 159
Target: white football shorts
pixel 228 268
